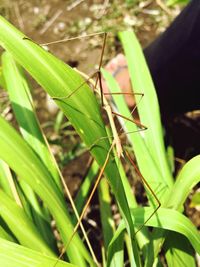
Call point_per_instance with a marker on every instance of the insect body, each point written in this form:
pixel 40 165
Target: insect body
pixel 97 87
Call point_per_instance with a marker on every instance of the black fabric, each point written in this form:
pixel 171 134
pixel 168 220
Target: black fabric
pixel 174 62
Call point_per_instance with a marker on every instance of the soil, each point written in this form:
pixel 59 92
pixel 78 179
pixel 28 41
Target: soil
pixel 34 18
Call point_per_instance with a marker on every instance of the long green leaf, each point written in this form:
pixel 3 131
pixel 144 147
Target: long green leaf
pixel 13 255
pixel 169 220
pixel 59 80
pixel 179 251
pixel 105 212
pixel 143 235
pixel 22 104
pixel 174 2
pixel 40 219
pixel 5 177
pixel 24 230
pixel 149 115
pixel 188 177
pixel 116 248
pixel 85 187
pixel 145 161
pixel 5 235
pixel 149 109
pixel 21 158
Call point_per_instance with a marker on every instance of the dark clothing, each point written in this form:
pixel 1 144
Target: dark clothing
pixel 174 62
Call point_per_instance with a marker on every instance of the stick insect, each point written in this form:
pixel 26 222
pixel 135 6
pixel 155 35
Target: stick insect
pixel 98 88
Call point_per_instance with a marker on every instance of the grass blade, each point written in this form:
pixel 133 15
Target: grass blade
pixel 59 80
pixel 21 158
pixel 169 220
pixel 174 2
pixel 179 251
pixel 116 248
pixel 5 177
pixel 105 212
pixel 145 161
pixel 188 177
pixel 13 255
pixel 83 192
pixel 22 105
pixel 24 230
pixel 39 217
pixel 149 109
pixel 5 235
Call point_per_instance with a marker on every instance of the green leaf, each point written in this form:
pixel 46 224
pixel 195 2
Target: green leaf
pixel 195 201
pixel 169 220
pixel 21 158
pixel 13 255
pixel 85 187
pixel 148 109
pixel 174 2
pixel 179 251
pixel 107 222
pixel 142 236
pixel 22 104
pixel 59 80
pixel 116 248
pixel 36 212
pixel 2 82
pixel 24 230
pixel 5 178
pixel 145 161
pixel 5 235
pixel 188 177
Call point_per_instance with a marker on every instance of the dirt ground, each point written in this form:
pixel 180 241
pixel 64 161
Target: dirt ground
pixel 47 21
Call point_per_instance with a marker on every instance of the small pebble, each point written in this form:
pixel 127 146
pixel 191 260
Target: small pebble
pixel 36 10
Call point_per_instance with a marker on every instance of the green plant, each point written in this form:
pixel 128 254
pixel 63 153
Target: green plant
pixel 174 2
pixel 38 175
